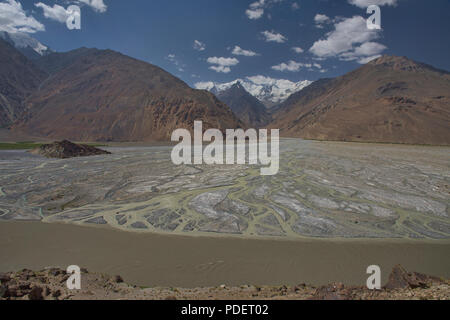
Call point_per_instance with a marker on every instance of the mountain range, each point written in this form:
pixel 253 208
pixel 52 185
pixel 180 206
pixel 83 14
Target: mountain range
pixel 268 91
pixel 102 95
pixel 390 99
pixel 245 106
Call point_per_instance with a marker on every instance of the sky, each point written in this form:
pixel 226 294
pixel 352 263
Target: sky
pixel 223 40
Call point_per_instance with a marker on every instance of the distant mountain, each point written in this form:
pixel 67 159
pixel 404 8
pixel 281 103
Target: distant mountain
pixel 390 99
pixel 102 95
pixel 27 45
pixel 19 77
pixel 245 106
pixel 268 91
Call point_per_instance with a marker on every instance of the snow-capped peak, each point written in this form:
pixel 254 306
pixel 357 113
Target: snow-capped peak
pixel 269 91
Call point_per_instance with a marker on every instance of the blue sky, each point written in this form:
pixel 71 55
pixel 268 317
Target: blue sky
pixel 196 40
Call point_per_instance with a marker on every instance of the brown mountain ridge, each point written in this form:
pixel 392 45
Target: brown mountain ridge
pixel 391 99
pixel 102 95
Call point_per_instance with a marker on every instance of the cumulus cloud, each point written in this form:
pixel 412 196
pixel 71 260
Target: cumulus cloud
pixel 61 14
pixel 238 51
pixel 290 66
pixel 256 9
pixel 350 40
pixel 297 50
pixel 199 46
pixel 321 20
pixel 366 3
pixel 364 53
pixel 13 19
pixel 293 66
pixel 97 5
pixel 221 64
pixel 272 36
pixel 56 12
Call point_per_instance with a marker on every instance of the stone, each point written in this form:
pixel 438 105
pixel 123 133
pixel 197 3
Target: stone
pixel 36 293
pixel 401 279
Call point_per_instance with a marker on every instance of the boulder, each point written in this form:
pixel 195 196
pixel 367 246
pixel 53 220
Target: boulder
pixel 402 279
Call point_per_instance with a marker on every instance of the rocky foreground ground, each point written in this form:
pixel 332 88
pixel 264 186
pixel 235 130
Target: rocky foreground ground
pixel 50 284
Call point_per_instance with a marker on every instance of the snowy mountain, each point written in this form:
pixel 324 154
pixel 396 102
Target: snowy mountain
pixel 27 45
pixel 267 90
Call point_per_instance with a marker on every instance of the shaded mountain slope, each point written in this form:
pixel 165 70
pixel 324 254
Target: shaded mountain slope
pixel 18 79
pixel 245 106
pixel 102 95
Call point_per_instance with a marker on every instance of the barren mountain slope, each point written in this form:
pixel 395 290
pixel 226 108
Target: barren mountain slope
pixel 391 99
pixel 102 95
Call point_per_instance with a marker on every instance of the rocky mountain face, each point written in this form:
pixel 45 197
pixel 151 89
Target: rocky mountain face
pixel 102 95
pixel 245 106
pixel 391 99
pixel 19 77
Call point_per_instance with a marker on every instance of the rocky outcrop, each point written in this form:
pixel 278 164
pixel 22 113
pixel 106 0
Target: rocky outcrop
pixel 66 149
pixel 50 284
pixel 402 279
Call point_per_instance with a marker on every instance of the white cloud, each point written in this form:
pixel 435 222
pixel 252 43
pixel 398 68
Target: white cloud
pixel 256 9
pixel 366 3
pixel 173 58
pixel 254 14
pixel 295 6
pixel 368 59
pixel 97 5
pixel 222 64
pixel 293 66
pixel 272 36
pixel 14 19
pixel 297 50
pixel 199 46
pixel 56 12
pixel 321 19
pixel 61 14
pixel 350 40
pixel 204 85
pixel 290 66
pixel 238 51
pixel 364 53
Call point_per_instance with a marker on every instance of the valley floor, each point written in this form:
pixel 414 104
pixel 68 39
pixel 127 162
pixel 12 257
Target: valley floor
pixel 323 189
